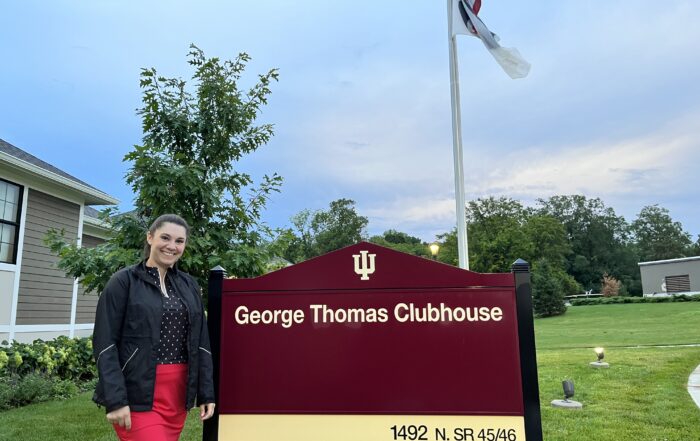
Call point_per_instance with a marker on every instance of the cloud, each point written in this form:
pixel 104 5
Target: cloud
pixel 658 163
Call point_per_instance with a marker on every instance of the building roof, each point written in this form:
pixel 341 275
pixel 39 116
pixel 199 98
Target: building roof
pixel 30 163
pixel 91 212
pixel 680 259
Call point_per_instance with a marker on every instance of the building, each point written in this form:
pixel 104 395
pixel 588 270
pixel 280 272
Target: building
pixel 672 276
pixel 37 300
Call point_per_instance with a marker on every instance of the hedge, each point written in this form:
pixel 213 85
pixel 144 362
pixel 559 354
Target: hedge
pixel 619 300
pixel 44 370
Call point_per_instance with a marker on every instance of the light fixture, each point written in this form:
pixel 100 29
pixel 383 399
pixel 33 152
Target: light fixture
pixel 600 353
pixel 566 403
pixel 434 248
pixel 568 387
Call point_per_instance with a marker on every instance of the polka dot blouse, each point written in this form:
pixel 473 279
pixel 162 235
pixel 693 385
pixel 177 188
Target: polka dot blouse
pixel 172 348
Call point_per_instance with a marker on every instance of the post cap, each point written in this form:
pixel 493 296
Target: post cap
pixel 520 266
pixel 218 269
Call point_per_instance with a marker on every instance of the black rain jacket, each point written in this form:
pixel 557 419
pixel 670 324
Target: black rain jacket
pixel 127 333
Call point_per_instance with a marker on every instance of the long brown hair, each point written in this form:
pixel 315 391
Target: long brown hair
pixel 164 219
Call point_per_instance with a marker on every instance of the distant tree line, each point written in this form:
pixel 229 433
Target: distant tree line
pixel 573 243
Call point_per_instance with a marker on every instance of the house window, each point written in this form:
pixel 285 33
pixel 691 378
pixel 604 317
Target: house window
pixel 10 213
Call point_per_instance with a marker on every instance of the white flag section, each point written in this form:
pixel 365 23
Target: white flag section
pixel 465 21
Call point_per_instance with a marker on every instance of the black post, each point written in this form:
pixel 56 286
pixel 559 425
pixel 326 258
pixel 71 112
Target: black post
pixel 210 431
pixel 528 354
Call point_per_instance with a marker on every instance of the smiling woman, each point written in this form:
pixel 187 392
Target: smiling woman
pixel 151 342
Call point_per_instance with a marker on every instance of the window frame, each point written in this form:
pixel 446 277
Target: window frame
pixel 15 224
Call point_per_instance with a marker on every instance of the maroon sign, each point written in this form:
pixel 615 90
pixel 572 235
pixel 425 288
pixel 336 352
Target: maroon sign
pixel 368 330
pixel 375 351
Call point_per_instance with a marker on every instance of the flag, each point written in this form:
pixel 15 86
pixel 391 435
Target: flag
pixel 465 21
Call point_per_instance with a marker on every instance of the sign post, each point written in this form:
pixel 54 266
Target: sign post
pixel 373 344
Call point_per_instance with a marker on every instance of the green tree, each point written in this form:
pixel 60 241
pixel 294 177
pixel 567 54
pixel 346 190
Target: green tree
pixel 502 230
pixel 193 134
pixel 338 227
pixel 403 242
pixel 549 241
pixel 598 237
pixel 658 236
pixel 320 232
pixel 694 249
pixel 549 286
pixel 495 234
pixel 448 253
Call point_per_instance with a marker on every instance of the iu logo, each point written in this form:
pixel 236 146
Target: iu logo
pixel 364 268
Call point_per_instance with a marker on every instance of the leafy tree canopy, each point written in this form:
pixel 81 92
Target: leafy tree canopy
pixel 403 242
pixel 320 232
pixel 597 236
pixel 193 135
pixel 658 236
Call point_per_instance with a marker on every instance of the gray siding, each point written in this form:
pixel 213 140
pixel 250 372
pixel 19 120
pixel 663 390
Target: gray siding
pixel 85 310
pixel 654 274
pixel 45 293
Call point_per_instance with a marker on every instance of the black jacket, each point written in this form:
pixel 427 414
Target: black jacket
pixel 127 333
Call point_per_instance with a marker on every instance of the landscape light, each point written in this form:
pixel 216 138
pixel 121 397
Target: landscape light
pixel 434 248
pixel 566 403
pixel 600 353
pixel 568 387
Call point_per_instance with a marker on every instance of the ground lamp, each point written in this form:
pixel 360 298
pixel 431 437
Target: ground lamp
pixel 566 403
pixel 434 248
pixel 600 352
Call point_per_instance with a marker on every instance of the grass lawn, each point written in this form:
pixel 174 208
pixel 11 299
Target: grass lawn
pixel 642 396
pixel 629 324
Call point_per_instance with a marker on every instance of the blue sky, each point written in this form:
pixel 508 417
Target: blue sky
pixel 611 107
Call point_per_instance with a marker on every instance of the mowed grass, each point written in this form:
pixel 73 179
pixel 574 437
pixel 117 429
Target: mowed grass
pixel 632 324
pixel 642 396
pixel 75 419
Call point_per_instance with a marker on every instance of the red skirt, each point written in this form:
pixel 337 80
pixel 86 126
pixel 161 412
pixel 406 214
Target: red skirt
pixel 167 418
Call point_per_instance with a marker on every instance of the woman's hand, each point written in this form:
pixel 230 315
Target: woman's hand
pixel 206 411
pixel 121 416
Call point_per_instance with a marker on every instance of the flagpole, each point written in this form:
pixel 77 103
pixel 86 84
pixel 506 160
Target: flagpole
pixel 457 146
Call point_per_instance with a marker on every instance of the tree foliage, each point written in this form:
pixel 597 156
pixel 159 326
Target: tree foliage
pixel 320 232
pixel 193 135
pixel 549 286
pixel 658 236
pixel 598 238
pixel 403 242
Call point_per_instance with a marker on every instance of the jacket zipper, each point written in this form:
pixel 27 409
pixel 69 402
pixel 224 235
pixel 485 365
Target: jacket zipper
pixel 102 352
pixel 127 361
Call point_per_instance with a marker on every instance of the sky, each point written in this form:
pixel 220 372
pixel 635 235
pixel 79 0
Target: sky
pixel 610 109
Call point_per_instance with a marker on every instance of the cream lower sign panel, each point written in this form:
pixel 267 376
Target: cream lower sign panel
pixel 370 428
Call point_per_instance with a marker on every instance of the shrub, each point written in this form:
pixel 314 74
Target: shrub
pixel 64 389
pixel 548 289
pixel 620 300
pixel 39 371
pixel 65 358
pixel 32 388
pixel 6 393
pixel 610 286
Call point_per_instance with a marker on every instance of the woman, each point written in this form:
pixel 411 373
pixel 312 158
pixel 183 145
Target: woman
pixel 151 343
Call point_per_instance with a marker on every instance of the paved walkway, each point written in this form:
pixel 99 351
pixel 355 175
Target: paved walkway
pixel 694 385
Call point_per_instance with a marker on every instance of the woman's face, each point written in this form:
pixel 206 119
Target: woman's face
pixel 167 244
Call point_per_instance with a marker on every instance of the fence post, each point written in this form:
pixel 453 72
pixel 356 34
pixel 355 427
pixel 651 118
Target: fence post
pixel 210 429
pixel 528 355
